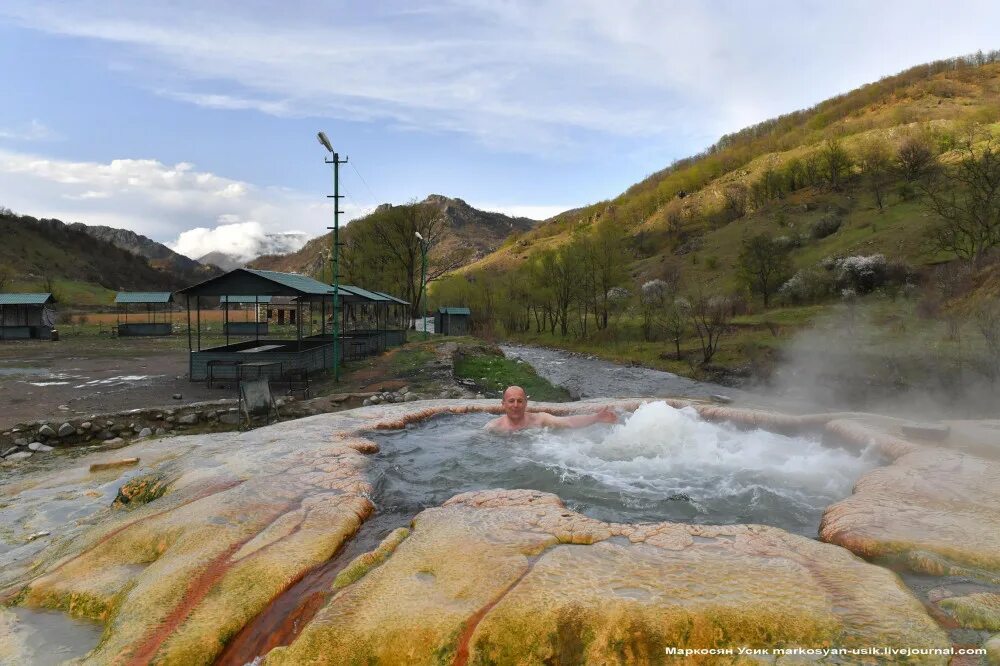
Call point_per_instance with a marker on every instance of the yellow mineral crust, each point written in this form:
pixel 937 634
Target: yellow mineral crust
pixel 502 577
pixel 243 518
pixel 935 510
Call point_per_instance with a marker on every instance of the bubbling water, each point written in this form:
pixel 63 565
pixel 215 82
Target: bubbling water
pixel 660 463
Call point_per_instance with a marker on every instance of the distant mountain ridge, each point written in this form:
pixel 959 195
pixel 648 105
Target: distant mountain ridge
pixel 479 232
pixel 37 253
pixel 159 255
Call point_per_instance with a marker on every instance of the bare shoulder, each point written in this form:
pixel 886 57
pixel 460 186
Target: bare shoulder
pixel 496 425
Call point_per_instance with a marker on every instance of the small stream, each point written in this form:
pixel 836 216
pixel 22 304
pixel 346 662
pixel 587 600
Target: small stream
pixel 590 377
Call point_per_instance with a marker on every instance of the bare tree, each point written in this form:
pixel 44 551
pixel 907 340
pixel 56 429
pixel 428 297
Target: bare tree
pixel 764 265
pixel 836 163
pixel 710 316
pixel 875 162
pixel 967 199
pixel 383 251
pixel 914 158
pixel 675 322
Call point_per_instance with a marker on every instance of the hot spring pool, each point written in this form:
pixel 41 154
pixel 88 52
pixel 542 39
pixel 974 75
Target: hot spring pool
pixel 659 464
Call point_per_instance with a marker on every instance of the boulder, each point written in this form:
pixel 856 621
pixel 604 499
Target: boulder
pixel 177 396
pixel 65 430
pixel 38 446
pixel 145 432
pixel 230 418
pixel 21 441
pixel 20 455
pixel 105 435
pixel 7 452
pixel 188 419
pixel 46 432
pixel 86 425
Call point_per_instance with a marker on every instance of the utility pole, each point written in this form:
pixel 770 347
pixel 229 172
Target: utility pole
pixel 335 160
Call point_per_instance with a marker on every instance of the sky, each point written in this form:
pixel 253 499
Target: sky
pixel 194 123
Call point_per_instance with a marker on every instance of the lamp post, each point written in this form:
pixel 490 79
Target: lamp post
pixel 423 280
pixel 335 160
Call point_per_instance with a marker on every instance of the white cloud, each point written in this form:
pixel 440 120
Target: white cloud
pixel 517 75
pixel 31 131
pixel 242 240
pixel 158 200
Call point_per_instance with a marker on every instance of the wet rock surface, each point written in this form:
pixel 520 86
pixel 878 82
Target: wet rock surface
pixel 514 577
pixel 933 510
pixel 217 526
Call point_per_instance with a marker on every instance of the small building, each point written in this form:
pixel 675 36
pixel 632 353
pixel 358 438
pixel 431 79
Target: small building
pixel 152 313
pixel 27 316
pixel 453 321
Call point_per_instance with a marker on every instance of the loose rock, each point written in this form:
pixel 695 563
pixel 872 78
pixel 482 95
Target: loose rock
pixel 65 430
pixel 20 455
pixel 188 419
pixel 177 396
pixel 145 432
pixel 38 446
pixel 46 431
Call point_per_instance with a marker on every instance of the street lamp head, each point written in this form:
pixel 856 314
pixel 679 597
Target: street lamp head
pixel 324 141
pixel 417 234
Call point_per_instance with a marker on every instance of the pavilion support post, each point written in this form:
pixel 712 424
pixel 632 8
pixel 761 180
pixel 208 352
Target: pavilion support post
pixel 256 318
pixel 298 325
pixel 197 307
pixel 225 319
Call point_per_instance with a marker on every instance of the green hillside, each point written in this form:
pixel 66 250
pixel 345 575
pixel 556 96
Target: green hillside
pixel 682 211
pixel 827 189
pixel 47 255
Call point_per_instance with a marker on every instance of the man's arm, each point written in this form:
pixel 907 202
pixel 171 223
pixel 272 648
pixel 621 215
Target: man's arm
pixel 577 420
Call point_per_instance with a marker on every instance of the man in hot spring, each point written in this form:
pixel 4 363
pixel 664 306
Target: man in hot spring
pixel 517 417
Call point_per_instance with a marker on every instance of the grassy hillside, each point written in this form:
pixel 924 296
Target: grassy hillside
pixel 830 187
pixel 39 255
pixel 684 205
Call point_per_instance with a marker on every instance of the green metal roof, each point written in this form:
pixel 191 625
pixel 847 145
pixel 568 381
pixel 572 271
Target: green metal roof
pixel 244 299
pixel 303 283
pixel 26 299
pixel 249 281
pixel 393 298
pixel 363 293
pixel 455 311
pixel 144 297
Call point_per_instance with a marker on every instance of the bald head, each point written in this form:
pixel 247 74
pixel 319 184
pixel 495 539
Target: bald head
pixel 514 390
pixel 515 402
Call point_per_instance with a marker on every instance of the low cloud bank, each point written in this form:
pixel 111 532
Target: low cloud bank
pixel 242 241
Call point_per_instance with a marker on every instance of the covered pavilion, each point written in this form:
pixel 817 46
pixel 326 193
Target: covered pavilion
pixel 369 323
pixel 154 309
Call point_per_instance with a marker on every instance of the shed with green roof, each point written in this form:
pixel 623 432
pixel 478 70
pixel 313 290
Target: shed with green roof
pixel 27 316
pixel 453 321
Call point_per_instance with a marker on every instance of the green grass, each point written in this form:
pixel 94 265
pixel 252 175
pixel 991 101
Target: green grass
pixel 408 363
pixel 493 374
pixel 67 292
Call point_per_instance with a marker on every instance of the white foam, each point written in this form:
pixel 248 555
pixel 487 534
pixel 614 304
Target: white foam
pixel 661 450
